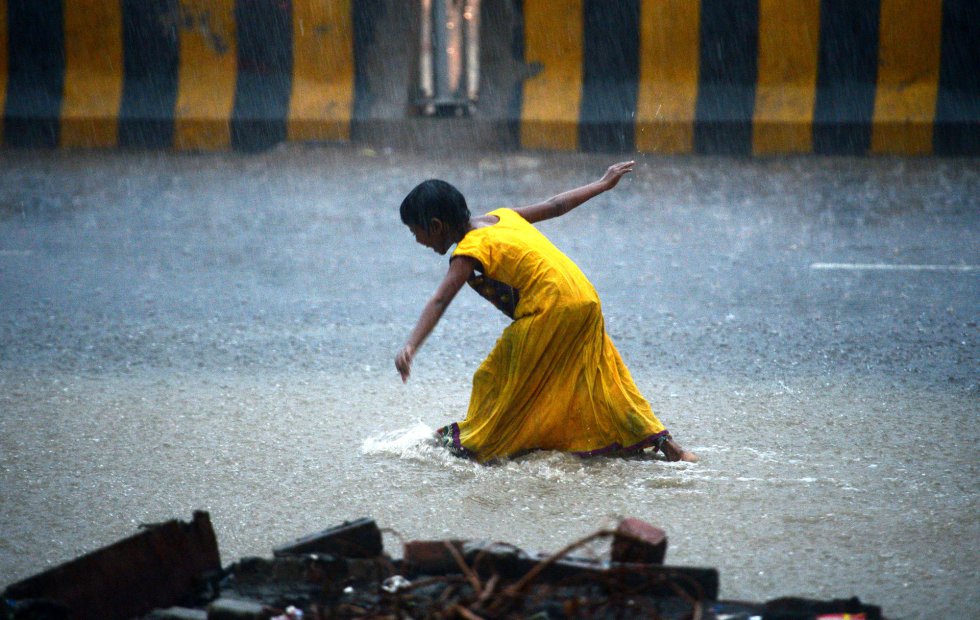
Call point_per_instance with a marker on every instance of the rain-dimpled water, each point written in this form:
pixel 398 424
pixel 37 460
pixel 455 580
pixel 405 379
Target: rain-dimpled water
pixel 217 332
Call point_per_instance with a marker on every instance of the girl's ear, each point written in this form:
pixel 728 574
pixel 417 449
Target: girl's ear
pixel 436 226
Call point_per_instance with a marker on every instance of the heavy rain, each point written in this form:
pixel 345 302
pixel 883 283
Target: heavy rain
pixel 215 330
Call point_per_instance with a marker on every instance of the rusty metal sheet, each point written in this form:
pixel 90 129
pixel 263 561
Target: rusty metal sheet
pixel 158 567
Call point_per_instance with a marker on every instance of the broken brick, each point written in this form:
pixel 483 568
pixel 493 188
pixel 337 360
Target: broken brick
pixel 638 542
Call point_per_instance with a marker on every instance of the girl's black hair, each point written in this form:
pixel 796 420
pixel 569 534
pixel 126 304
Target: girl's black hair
pixel 434 199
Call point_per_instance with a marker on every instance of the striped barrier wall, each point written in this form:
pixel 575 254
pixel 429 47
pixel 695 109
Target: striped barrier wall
pixel 662 76
pixel 753 76
pixel 187 74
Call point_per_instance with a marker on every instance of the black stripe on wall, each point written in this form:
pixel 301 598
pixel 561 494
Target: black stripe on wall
pixel 150 67
pixel 957 125
pixel 365 15
pixel 265 67
pixel 847 73
pixel 610 75
pixel 35 73
pixel 516 103
pixel 505 16
pixel 728 71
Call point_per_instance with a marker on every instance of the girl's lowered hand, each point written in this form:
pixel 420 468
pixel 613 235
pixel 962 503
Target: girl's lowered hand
pixel 616 172
pixel 403 362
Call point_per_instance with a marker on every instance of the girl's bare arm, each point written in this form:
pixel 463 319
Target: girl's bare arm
pixel 566 201
pixel 460 269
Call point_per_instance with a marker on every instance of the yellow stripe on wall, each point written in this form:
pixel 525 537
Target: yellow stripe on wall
pixel 93 74
pixel 4 64
pixel 207 74
pixel 322 100
pixel 553 33
pixel 786 87
pixel 908 76
pixel 669 67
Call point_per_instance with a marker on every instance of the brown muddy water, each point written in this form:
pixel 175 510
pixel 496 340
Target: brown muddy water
pixel 216 332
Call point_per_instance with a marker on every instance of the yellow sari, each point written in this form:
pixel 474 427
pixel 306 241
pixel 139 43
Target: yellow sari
pixel 554 380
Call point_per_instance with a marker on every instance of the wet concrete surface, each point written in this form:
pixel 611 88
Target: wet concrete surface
pixel 217 331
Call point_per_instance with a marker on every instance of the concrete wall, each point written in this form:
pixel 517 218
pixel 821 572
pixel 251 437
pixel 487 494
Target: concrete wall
pixel 194 74
pixel 754 76
pixel 673 76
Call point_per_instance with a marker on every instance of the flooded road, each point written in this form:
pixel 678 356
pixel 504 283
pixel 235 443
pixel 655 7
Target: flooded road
pixel 217 332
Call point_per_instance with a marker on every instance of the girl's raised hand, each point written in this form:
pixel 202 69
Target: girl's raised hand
pixel 615 172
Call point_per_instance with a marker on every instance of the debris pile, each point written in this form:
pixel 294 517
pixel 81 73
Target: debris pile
pixel 171 571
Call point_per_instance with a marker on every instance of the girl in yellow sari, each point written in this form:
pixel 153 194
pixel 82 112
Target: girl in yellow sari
pixel 554 380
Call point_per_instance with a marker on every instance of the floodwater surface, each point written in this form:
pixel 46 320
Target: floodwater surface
pixel 217 332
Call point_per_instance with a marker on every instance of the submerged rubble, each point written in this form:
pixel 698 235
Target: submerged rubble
pixel 171 571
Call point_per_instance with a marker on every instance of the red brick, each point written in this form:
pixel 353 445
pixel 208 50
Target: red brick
pixel 636 541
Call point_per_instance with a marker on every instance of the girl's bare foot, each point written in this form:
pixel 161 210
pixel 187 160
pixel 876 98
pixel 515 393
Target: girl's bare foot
pixel 674 452
pixel 689 457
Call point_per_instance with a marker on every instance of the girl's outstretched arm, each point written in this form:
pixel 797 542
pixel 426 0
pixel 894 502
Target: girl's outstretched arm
pixel 566 201
pixel 460 269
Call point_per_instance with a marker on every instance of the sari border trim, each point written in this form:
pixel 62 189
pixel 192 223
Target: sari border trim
pixel 452 441
pixel 653 440
pixel 455 445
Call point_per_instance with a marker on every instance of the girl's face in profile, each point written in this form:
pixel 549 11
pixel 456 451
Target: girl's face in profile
pixel 435 238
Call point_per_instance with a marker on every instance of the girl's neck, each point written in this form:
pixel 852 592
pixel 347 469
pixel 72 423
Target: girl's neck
pixel 457 234
pixel 467 226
